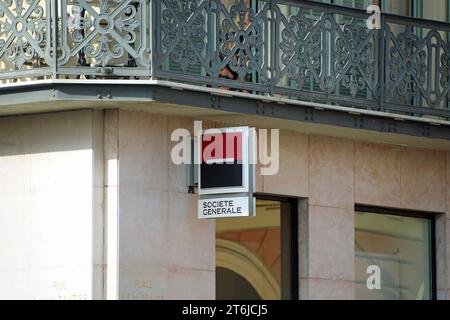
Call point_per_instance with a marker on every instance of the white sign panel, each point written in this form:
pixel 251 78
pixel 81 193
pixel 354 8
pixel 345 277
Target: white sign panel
pixel 223 208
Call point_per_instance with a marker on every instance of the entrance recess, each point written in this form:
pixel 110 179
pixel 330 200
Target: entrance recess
pixel 256 256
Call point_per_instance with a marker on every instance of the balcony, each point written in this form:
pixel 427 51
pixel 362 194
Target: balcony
pixel 299 50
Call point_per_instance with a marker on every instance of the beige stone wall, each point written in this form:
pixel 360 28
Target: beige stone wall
pixel 341 173
pixel 92 207
pixel 50 247
pixel 164 251
pixel 162 242
pixel 154 247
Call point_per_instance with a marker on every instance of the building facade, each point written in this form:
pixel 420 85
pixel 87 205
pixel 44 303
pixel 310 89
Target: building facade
pixel 93 207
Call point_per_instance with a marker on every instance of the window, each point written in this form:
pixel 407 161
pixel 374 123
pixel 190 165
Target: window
pixel 400 7
pixel 416 8
pixel 439 10
pixel 402 246
pixel 358 4
pixel 256 256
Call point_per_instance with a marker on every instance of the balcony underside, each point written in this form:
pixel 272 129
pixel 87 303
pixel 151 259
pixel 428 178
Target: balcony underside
pixel 222 105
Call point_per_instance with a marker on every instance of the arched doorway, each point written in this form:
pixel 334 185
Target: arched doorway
pixel 233 286
pixel 246 269
pixel 256 256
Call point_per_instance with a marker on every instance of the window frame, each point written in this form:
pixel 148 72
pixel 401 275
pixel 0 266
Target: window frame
pixel 289 227
pixel 430 216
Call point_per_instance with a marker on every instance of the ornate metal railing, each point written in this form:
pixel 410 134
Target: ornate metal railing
pixel 297 49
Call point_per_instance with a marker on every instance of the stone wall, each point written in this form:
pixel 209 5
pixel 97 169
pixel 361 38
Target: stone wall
pixel 91 207
pixel 46 207
pixel 328 176
pixel 164 251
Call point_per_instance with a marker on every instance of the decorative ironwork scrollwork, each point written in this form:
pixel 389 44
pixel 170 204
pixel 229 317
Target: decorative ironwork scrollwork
pixel 241 40
pixel 25 32
pixel 355 57
pixel 108 33
pixel 288 48
pixel 301 48
pixel 183 27
pixel 407 64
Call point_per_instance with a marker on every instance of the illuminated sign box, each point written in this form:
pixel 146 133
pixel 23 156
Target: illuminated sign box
pixel 226 172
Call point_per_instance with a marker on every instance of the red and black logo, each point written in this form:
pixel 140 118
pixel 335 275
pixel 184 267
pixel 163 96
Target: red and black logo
pixel 221 165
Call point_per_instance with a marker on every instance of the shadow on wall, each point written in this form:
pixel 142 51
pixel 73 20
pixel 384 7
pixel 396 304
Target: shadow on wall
pixel 43 133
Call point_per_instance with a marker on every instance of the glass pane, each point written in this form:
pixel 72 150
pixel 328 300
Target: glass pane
pixel 358 4
pixel 418 8
pixel 248 255
pixel 400 247
pixel 438 11
pixel 401 7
